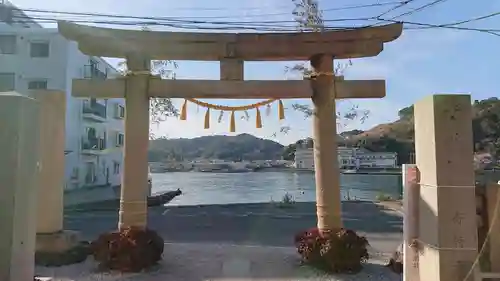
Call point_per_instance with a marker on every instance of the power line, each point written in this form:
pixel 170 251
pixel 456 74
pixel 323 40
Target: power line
pixel 257 27
pixel 395 8
pixel 351 7
pixel 419 9
pixel 390 10
pixel 254 25
pixel 160 20
pixel 179 25
pixel 471 20
pixel 415 10
pixel 447 26
pixel 168 22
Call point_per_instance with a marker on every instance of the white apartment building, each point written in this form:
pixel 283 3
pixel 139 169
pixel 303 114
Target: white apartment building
pixel 348 158
pixel 32 57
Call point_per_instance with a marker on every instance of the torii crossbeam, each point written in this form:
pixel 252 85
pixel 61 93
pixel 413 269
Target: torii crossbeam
pixel 140 47
pixel 220 89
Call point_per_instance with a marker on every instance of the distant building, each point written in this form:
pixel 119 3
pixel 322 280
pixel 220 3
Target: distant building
pixel 349 158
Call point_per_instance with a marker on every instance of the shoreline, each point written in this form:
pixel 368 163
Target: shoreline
pixel 394 172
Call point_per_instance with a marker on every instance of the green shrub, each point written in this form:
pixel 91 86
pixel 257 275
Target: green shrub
pixel 383 197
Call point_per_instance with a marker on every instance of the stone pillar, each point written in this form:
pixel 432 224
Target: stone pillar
pixel 328 201
pixel 18 185
pixel 493 209
pixel 411 193
pixel 50 235
pixel 51 182
pixel 447 207
pixel 134 189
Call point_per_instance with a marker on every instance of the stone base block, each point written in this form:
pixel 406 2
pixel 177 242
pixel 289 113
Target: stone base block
pixel 61 248
pixel 59 241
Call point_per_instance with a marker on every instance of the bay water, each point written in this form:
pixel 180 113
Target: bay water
pixel 263 187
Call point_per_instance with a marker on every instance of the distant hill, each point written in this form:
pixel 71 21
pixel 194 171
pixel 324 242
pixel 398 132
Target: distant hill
pixel 240 147
pixel 399 136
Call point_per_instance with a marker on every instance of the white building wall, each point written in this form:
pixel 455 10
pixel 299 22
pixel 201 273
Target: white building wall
pixel 66 62
pixel 115 126
pixel 304 158
pixel 348 158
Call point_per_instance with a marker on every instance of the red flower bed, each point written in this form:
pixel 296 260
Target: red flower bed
pixel 128 250
pixel 341 251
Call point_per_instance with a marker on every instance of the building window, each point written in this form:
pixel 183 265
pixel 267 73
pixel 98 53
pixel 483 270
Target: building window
pixel 119 139
pixel 7 82
pixel 120 111
pixel 74 173
pixel 116 167
pixel 90 176
pixel 39 49
pixel 37 85
pixel 7 44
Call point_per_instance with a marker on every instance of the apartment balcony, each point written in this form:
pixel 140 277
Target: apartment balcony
pixel 94 111
pixel 92 72
pixel 93 146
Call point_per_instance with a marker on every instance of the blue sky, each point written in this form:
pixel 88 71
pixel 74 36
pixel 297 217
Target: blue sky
pixel 419 63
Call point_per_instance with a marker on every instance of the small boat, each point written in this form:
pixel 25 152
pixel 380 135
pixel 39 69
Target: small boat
pixel 163 198
pixel 351 171
pixel 158 199
pixel 107 197
pixel 235 170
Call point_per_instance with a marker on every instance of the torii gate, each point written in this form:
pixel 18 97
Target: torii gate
pixel 140 47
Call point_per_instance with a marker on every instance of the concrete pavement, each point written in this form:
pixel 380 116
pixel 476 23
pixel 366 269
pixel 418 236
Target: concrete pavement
pixel 221 262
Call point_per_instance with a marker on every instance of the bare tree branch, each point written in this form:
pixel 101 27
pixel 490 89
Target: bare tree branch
pixel 309 18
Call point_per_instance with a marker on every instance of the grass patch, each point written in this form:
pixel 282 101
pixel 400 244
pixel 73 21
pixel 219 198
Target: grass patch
pixel 287 201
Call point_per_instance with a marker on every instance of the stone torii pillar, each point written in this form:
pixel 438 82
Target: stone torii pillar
pixel 19 149
pixel 134 188
pixel 326 167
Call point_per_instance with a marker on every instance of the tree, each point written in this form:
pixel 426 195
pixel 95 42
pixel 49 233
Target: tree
pixel 406 113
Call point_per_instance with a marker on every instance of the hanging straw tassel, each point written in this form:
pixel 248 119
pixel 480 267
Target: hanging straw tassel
pixel 184 111
pixel 281 110
pixel 207 119
pixel 232 124
pixel 258 119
